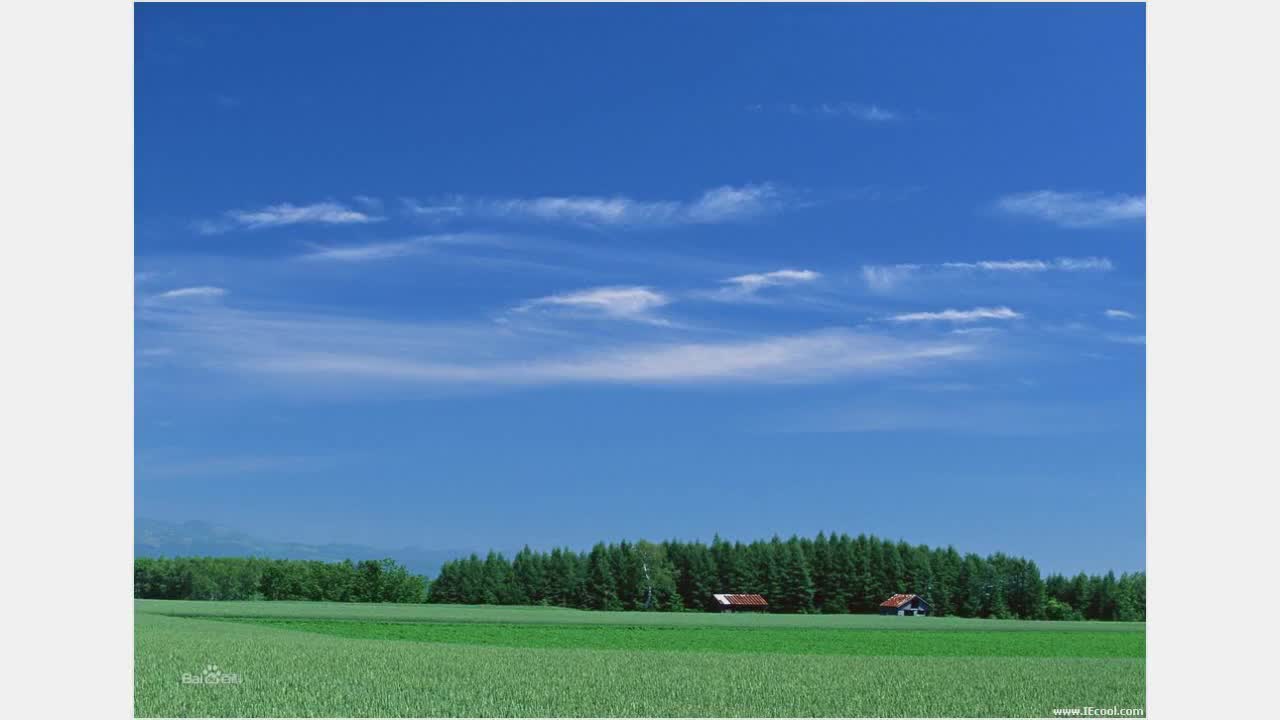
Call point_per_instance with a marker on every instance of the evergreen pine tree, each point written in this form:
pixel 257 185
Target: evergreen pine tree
pixel 602 587
pixel 795 581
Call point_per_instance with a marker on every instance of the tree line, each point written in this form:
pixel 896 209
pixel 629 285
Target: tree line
pixel 828 574
pixel 240 578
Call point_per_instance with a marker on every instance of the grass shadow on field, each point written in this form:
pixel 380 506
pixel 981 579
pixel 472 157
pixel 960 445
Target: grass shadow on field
pixel 791 641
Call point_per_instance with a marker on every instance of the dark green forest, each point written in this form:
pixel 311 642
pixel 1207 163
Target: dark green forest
pixel 239 578
pixel 827 574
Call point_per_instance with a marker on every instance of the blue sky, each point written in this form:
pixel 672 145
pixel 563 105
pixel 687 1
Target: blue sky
pixel 495 275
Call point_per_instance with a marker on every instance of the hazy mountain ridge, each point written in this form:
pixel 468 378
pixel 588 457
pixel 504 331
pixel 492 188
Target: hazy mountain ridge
pixel 155 538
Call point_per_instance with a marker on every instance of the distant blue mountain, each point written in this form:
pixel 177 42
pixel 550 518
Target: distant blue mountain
pixel 154 538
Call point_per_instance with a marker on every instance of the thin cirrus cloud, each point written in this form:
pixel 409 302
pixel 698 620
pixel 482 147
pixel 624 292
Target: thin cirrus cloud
pixel 1064 264
pixel 327 348
pixel 419 245
pixel 632 303
pixel 284 214
pixel 866 112
pixel 747 287
pixel 1074 209
pixel 723 204
pixel 201 291
pixel 638 302
pixel 886 278
pixel 959 316
pixel 802 358
pixel 755 281
pixel 368 251
pixel 1119 314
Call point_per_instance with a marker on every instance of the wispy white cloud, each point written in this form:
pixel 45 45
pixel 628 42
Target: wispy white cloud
pixel 282 214
pixel 399 248
pixel 637 302
pixel 287 214
pixel 1119 314
pixel 439 209
pixel 762 288
pixel 202 291
pixel 1001 265
pixel 1074 209
pixel 588 210
pixel 799 358
pixel 982 330
pixel 886 278
pixel 728 203
pixel 866 112
pixel 754 281
pixel 869 112
pixel 960 316
pixel 329 348
pixel 749 287
pixel 632 303
pixel 1085 264
pixel 1064 264
pixel 718 205
pixel 367 251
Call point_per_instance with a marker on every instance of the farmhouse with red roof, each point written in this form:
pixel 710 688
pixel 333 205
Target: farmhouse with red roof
pixel 904 604
pixel 731 602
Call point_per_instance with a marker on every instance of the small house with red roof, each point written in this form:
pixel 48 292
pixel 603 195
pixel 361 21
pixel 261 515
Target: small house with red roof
pixel 904 604
pixel 731 602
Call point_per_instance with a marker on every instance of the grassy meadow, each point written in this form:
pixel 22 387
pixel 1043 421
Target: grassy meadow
pixel 337 659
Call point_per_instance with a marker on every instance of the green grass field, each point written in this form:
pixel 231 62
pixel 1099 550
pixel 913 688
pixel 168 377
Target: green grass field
pixel 323 659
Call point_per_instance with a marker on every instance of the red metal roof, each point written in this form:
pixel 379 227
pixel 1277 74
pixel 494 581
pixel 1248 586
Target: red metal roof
pixel 750 600
pixel 898 600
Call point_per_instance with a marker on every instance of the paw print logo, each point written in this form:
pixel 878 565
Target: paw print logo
pixel 211 671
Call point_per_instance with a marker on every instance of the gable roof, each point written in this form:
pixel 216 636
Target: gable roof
pixel 751 600
pixel 899 600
